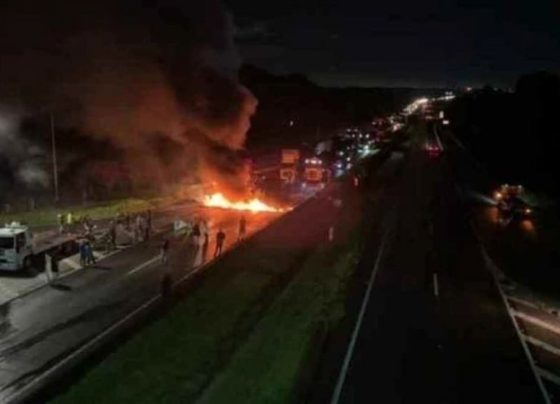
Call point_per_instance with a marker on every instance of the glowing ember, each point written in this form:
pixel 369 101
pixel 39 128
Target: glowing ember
pixel 218 200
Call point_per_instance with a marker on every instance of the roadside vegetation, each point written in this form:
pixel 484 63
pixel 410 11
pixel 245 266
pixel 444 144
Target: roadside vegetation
pixel 271 364
pixel 48 216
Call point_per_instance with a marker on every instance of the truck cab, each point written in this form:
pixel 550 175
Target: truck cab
pixel 16 247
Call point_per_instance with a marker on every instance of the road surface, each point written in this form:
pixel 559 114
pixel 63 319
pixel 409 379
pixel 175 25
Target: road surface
pixel 43 327
pixel 433 327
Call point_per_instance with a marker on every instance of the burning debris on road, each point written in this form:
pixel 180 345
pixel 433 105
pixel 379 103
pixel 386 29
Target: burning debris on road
pixel 254 205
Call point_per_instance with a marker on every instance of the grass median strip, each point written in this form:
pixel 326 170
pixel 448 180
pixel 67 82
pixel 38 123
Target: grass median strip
pixel 267 368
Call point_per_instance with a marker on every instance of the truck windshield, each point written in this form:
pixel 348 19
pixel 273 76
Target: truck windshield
pixel 6 242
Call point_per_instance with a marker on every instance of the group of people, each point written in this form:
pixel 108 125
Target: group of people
pixel 141 227
pixel 65 222
pixel 86 253
pixel 68 222
pixel 140 224
pixel 199 233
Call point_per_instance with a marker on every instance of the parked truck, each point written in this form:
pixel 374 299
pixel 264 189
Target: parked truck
pixel 21 250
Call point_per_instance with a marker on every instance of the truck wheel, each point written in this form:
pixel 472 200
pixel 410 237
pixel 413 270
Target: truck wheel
pixel 28 267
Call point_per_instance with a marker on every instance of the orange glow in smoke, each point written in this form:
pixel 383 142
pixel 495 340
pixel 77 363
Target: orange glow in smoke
pixel 218 200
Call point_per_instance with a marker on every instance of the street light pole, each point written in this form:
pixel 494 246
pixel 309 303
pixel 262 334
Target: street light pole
pixel 54 162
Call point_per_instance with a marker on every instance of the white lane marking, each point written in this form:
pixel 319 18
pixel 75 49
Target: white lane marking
pixel 144 265
pixel 39 380
pixel 537 321
pixel 491 266
pixel 544 345
pixel 436 286
pixel 349 352
pixel 525 302
pixel 548 375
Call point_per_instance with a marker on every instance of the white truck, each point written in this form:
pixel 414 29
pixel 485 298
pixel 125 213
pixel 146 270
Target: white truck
pixel 20 250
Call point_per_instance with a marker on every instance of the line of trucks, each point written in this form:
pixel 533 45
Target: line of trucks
pixel 21 250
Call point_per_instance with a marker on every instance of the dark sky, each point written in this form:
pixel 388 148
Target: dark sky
pixel 401 43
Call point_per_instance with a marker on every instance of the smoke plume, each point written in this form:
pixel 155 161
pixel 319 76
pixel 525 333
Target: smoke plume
pixel 155 79
pixel 24 159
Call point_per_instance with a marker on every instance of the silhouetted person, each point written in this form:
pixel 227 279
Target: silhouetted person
pixel 90 258
pixel 242 228
pixel 83 253
pixel 113 235
pixel 164 251
pixel 196 234
pixel 220 238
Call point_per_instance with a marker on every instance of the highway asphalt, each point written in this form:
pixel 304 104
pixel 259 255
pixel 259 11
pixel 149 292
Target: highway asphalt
pixel 43 327
pixel 434 327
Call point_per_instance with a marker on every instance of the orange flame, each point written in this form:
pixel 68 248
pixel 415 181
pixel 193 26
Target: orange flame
pixel 218 200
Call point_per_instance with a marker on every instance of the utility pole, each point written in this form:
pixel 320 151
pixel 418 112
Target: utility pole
pixel 54 163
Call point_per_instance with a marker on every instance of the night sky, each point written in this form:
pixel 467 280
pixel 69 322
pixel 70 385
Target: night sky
pixel 426 43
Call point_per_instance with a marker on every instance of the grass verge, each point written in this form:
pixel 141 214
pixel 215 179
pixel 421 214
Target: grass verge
pixel 48 216
pixel 268 367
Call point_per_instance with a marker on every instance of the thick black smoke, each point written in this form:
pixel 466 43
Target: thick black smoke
pixel 145 76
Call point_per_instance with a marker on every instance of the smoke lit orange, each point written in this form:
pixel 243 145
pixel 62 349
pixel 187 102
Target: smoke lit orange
pixel 218 200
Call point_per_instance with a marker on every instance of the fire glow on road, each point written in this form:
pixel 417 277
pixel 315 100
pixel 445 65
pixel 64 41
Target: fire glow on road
pixel 218 200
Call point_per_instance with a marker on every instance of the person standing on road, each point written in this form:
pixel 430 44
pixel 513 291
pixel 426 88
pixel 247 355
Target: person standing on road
pixel 69 220
pixel 138 229
pixel 220 238
pixel 206 234
pixel 147 226
pixel 83 253
pixel 242 228
pixel 113 235
pixel 196 234
pixel 90 257
pixel 164 251
pixel 60 218
pixel 149 222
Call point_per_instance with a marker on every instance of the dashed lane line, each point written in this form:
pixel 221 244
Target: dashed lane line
pixel 548 375
pixel 143 265
pixel 524 302
pixel 536 321
pixel 543 345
